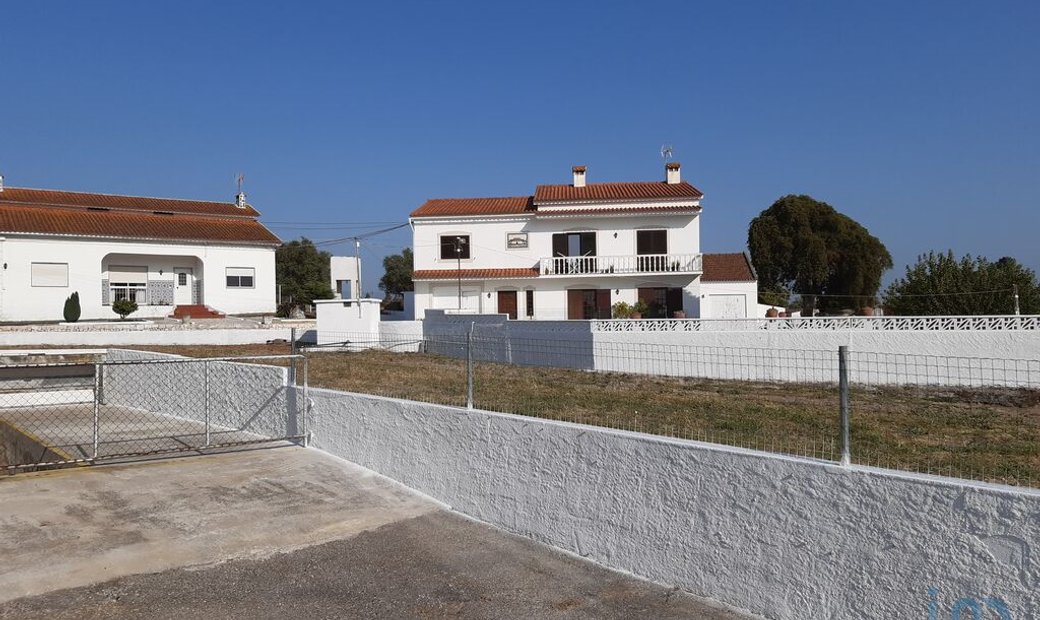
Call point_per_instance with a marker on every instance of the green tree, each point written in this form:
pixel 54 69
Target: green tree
pixel 397 276
pixel 302 273
pixel 940 284
pixel 72 311
pixel 124 308
pixel 805 246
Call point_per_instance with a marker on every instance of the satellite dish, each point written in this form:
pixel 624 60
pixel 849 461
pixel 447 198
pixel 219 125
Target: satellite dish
pixel 666 151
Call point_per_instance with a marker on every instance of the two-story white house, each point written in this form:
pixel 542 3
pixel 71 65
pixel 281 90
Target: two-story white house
pixel 567 252
pixel 170 256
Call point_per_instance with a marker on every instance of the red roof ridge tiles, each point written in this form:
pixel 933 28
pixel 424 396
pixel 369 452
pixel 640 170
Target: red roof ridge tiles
pixel 728 267
pixel 474 274
pixel 64 198
pixel 623 191
pixel 498 205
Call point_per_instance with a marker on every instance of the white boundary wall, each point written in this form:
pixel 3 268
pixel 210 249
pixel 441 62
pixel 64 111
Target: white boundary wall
pixel 144 337
pixel 1009 357
pixel 777 536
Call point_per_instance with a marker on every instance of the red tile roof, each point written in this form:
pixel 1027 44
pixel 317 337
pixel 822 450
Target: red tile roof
pixel 474 274
pixel 734 267
pixel 48 197
pixel 615 211
pixel 86 220
pixel 654 190
pixel 439 207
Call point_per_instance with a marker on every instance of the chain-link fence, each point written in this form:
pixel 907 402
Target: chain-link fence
pixel 69 413
pixel 966 417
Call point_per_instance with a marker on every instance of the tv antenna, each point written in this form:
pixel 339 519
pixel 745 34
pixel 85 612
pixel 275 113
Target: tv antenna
pixel 666 151
pixel 239 180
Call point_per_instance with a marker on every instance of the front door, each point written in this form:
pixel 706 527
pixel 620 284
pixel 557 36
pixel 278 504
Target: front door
pixel 507 304
pixel 183 283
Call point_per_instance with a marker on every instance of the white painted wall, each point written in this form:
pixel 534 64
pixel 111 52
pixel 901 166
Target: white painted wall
pixel 616 236
pixel 783 537
pixel 87 259
pixel 102 338
pixel 1008 358
pixel 347 319
pixel 728 300
pixel 344 268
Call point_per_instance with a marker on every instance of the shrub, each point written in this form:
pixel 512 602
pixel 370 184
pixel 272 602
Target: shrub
pixel 621 310
pixel 641 308
pixel 124 307
pixel 72 309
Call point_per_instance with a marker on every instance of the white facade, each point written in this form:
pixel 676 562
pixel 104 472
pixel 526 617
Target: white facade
pixel 345 276
pixel 566 256
pixel 729 300
pixel 89 266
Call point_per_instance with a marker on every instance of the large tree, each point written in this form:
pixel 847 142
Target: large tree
pixel 302 273
pixel 804 246
pixel 939 284
pixel 397 276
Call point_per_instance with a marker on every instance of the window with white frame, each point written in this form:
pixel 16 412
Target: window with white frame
pixel 128 282
pixel 240 277
pixel 49 274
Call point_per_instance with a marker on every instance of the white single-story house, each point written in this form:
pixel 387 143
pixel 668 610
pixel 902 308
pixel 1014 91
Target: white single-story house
pixel 170 256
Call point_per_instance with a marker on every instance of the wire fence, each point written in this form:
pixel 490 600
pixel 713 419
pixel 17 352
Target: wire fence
pixel 967 417
pixel 64 414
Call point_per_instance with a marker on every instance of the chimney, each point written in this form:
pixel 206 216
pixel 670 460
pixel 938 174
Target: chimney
pixel 671 173
pixel 240 200
pixel 579 176
pixel 1 182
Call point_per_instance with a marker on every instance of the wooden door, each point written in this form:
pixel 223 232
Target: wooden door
pixel 507 304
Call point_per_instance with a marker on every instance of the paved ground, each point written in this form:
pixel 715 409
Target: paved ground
pixel 285 532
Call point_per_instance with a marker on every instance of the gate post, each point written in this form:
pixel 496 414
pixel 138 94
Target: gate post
pixel 843 388
pixel 97 408
pixel 205 389
pixel 469 367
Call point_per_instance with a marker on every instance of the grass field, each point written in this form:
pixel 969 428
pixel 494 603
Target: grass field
pixel 988 434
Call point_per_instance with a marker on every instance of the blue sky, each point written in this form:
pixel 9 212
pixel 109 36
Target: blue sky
pixel 918 119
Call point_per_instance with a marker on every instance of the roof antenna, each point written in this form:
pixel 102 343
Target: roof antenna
pixel 666 151
pixel 240 197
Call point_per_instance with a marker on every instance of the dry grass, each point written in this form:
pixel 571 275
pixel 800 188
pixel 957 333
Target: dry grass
pixel 991 434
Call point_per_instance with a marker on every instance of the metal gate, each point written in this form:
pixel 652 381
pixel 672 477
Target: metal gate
pixel 66 413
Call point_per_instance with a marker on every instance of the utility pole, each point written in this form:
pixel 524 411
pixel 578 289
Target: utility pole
pixel 1016 299
pixel 357 263
pixel 458 267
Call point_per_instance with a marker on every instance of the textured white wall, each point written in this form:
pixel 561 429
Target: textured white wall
pixel 877 357
pixel 110 337
pixel 778 536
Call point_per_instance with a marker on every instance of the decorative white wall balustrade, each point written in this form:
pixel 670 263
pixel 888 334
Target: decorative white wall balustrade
pixel 864 323
pixel 620 265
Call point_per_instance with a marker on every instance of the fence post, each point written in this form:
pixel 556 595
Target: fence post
pixel 306 405
pixel 97 408
pixel 469 367
pixel 843 388
pixel 205 398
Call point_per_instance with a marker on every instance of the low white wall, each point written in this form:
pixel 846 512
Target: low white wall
pixel 1009 358
pixel 777 536
pixel 143 337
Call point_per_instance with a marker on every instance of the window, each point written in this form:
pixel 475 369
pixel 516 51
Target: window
pixel 49 274
pixel 588 304
pixel 663 303
pixel 574 252
pixel 529 298
pixel 454 247
pixel 128 282
pixel 652 247
pixel 240 277
pixel 182 278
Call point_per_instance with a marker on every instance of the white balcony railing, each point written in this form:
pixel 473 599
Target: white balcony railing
pixel 620 265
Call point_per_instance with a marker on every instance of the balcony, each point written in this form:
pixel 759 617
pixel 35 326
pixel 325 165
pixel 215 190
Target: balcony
pixel 620 265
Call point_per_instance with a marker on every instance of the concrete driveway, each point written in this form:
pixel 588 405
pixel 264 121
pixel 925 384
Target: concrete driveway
pixel 283 532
